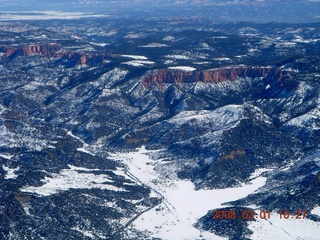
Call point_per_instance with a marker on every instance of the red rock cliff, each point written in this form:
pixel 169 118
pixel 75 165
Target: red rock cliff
pixel 163 76
pixel 10 51
pixel 55 50
pixel 41 49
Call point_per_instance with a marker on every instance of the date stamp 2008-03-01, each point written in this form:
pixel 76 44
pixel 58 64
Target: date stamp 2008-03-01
pixel 262 214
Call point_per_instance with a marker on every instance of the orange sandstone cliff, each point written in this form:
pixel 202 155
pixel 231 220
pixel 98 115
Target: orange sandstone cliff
pixel 163 76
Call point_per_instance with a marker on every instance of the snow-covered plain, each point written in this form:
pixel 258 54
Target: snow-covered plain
pixel 72 178
pixel 182 205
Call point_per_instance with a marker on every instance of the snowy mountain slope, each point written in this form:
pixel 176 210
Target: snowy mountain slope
pixel 73 113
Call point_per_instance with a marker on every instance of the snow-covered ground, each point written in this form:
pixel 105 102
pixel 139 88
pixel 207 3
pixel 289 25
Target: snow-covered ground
pixel 137 57
pixel 99 44
pixel 284 229
pixel 220 119
pixel 183 68
pixel 10 172
pixel 177 56
pixel 6 156
pixel 182 205
pixel 306 121
pixel 73 178
pixel 85 147
pixel 139 63
pixel 154 45
pixel 316 211
pixel 222 59
pixel 82 149
pixel 219 37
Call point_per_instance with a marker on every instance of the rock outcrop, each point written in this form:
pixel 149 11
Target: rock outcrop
pixel 163 76
pixel 55 50
pixel 10 51
pixel 48 49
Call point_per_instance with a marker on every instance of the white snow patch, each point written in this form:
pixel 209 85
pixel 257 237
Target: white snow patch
pixel 182 205
pixel 134 35
pixel 169 38
pixel 168 62
pixel 139 63
pixel 240 56
pixel 219 37
pixel 82 149
pixel 177 56
pixel 26 208
pixel 308 120
pixel 154 45
pixel 74 136
pixel 6 156
pixel 289 43
pixel 137 57
pixel 121 172
pixel 316 211
pixel 1 107
pixel 183 68
pixel 84 232
pixel 185 206
pixel 72 179
pixel 99 44
pixel 221 118
pixel 300 39
pixel 201 63
pixel 10 172
pixel 287 167
pixel 222 59
pixel 31 86
pixel 110 78
pixel 205 46
pixel 259 171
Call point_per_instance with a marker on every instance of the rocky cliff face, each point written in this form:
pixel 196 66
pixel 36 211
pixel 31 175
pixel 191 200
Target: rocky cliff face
pixel 163 76
pixel 10 50
pixel 47 49
pixel 41 49
pixel 54 50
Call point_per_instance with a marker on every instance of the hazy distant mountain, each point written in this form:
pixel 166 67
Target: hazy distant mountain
pixel 237 10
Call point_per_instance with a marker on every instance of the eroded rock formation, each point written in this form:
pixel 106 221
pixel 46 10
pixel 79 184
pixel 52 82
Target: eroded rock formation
pixel 48 49
pixel 55 50
pixel 163 76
